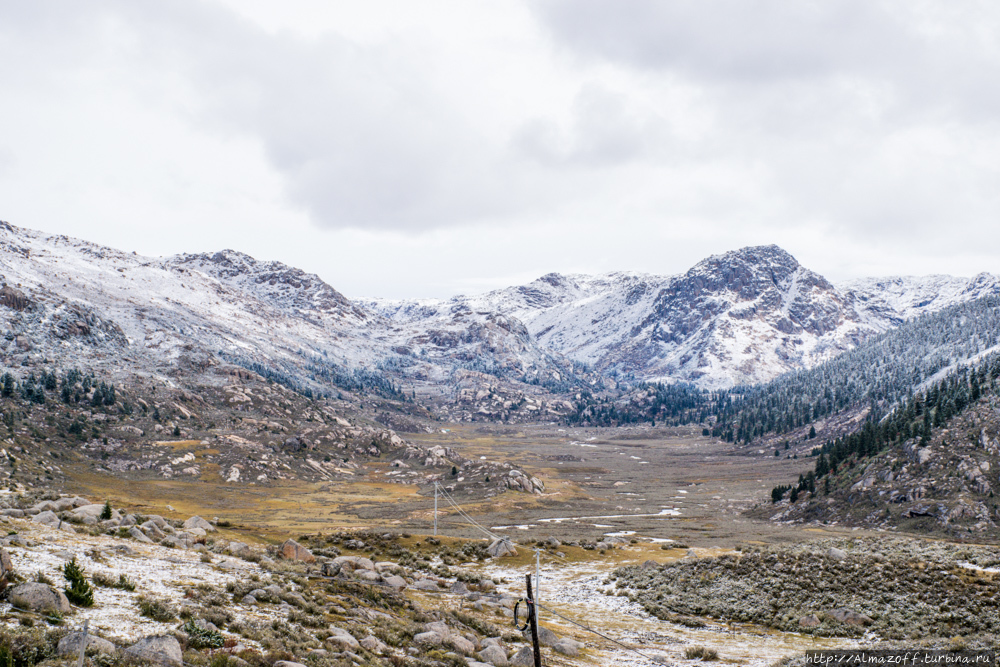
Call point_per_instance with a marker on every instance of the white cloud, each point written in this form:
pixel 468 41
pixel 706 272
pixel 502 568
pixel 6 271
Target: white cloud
pixel 454 143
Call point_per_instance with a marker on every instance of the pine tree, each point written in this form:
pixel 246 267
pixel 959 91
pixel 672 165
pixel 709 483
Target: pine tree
pixel 106 512
pixel 79 592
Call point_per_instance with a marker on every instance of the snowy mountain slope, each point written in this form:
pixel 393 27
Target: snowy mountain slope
pixel 891 300
pixel 742 317
pixel 116 308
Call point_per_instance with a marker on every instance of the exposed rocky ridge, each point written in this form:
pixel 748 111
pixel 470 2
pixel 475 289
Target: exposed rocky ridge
pixel 238 429
pixel 948 486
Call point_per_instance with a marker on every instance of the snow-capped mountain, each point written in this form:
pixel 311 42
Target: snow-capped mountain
pixel 71 302
pixel 742 317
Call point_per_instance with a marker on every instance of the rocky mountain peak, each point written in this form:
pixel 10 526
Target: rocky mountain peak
pixel 747 272
pixel 281 285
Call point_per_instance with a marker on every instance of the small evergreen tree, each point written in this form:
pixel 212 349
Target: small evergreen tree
pixel 79 592
pixel 106 512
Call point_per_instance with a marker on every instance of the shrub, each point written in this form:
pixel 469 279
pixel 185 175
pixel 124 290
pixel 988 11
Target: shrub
pixel 79 592
pixel 199 637
pixel 26 648
pixel 106 512
pixel 700 653
pixel 108 581
pixel 156 609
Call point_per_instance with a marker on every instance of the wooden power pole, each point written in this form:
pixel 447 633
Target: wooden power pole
pixel 532 619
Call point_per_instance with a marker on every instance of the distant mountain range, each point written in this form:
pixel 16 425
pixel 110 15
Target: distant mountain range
pixel 742 317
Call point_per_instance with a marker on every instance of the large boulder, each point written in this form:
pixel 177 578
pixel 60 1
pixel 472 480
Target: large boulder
pixel 70 645
pixel 38 597
pixel 525 657
pixel 501 547
pixel 850 617
pixel 431 638
pixel 343 638
pixel 354 563
pixel 545 636
pixel 6 567
pixel 46 518
pixel 493 655
pixel 568 647
pixel 164 649
pixel 836 554
pixel 292 550
pixel 198 522
pixel 138 535
pixel 94 511
pixel 460 644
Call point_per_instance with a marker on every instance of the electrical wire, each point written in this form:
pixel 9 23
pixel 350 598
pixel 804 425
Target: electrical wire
pixel 599 634
pixel 475 523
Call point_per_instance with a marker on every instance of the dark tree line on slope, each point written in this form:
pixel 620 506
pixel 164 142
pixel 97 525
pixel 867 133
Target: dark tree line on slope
pixel 670 404
pixel 878 374
pixel 73 388
pixel 914 419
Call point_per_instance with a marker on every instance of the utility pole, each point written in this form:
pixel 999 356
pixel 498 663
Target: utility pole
pixel 83 642
pixel 538 576
pixel 435 509
pixel 532 619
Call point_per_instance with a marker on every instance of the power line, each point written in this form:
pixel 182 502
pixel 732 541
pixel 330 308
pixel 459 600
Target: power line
pixel 475 523
pixel 603 636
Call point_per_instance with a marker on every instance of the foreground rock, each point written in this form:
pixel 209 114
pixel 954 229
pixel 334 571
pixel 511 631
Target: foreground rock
pixel 501 547
pixel 162 649
pixel 40 598
pixel 292 550
pixel 196 522
pixel 70 645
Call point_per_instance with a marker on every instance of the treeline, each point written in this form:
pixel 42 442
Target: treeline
pixel 913 420
pixel 655 403
pixel 878 374
pixel 74 387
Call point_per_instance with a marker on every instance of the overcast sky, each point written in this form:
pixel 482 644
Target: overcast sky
pixel 408 149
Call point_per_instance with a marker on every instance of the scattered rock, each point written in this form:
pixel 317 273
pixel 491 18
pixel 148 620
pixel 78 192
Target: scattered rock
pixel 292 550
pixel 198 522
pixel 39 597
pixel 809 621
pixel 164 649
pixel 493 655
pixel 343 638
pixel 501 547
pixel 70 645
